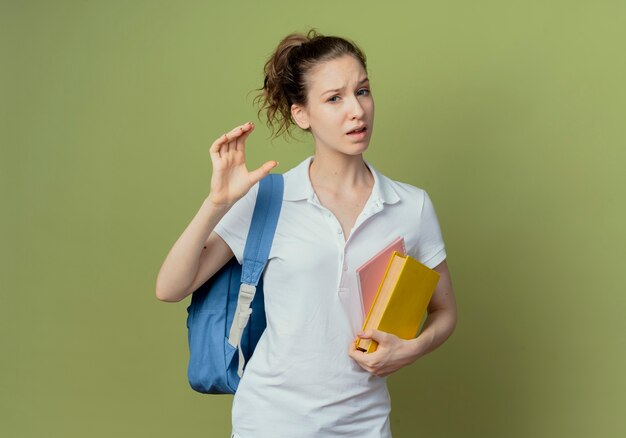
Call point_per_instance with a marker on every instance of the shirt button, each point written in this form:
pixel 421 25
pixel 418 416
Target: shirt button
pixel 345 267
pixel 339 231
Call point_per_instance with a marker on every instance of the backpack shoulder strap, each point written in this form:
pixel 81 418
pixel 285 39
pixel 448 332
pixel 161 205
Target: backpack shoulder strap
pixel 258 244
pixel 262 228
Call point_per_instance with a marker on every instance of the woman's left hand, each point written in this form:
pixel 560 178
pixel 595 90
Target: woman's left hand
pixel 394 353
pixel 391 354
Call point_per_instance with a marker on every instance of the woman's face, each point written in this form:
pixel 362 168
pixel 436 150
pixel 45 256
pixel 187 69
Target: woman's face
pixel 339 102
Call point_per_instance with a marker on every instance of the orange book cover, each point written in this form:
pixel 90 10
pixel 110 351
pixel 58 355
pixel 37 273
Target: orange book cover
pixel 371 273
pixel 401 300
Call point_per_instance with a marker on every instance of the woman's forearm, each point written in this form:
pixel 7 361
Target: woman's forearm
pixel 438 327
pixel 181 264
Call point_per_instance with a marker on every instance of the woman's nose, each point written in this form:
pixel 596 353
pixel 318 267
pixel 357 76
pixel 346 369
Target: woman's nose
pixel 356 110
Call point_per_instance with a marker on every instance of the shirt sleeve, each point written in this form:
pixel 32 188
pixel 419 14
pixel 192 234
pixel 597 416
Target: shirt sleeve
pixel 235 224
pixel 430 246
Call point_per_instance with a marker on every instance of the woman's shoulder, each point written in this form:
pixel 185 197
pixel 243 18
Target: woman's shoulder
pixel 297 184
pixel 402 189
pixel 406 187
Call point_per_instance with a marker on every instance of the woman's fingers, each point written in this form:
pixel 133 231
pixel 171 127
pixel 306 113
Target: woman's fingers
pixel 218 143
pixel 246 130
pixel 232 140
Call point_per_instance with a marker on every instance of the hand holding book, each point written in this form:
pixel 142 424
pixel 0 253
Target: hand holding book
pixel 401 301
pixel 392 353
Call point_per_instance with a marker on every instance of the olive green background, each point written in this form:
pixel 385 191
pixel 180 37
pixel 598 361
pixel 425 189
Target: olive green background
pixel 510 114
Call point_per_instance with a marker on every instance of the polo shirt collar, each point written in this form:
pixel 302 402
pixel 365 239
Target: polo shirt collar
pixel 298 185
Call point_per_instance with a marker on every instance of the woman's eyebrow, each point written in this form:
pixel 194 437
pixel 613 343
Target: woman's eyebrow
pixel 335 90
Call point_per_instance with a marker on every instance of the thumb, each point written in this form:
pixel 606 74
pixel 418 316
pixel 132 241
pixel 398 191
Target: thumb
pixel 372 334
pixel 264 170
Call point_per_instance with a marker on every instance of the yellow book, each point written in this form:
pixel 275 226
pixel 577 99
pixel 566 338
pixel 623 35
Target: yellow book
pixel 401 300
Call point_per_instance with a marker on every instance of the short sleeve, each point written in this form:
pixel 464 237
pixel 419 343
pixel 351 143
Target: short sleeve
pixel 235 224
pixel 430 246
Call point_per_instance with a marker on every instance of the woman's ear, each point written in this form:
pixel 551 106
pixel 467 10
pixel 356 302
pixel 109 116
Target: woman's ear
pixel 300 116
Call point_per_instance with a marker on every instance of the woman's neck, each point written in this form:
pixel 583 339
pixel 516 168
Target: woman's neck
pixel 339 172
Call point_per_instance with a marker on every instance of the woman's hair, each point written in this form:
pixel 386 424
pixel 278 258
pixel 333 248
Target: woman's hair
pixel 286 70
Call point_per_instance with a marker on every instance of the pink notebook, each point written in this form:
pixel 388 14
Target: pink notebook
pixel 371 273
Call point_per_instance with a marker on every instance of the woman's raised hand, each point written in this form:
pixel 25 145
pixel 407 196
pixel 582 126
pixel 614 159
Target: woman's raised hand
pixel 231 179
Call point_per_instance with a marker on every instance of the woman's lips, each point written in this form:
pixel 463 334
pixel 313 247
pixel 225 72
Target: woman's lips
pixel 358 134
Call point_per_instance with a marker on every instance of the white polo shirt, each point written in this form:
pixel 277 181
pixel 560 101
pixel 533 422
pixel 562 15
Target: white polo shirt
pixel 301 382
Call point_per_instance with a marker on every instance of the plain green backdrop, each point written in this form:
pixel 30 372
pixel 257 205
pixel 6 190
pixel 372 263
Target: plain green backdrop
pixel 510 114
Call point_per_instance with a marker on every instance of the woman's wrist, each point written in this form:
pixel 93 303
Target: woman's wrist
pixel 218 205
pixel 418 347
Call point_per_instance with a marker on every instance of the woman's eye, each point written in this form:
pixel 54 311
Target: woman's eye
pixel 334 99
pixel 363 92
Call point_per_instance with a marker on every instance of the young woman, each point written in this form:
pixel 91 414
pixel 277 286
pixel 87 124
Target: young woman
pixel 306 379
